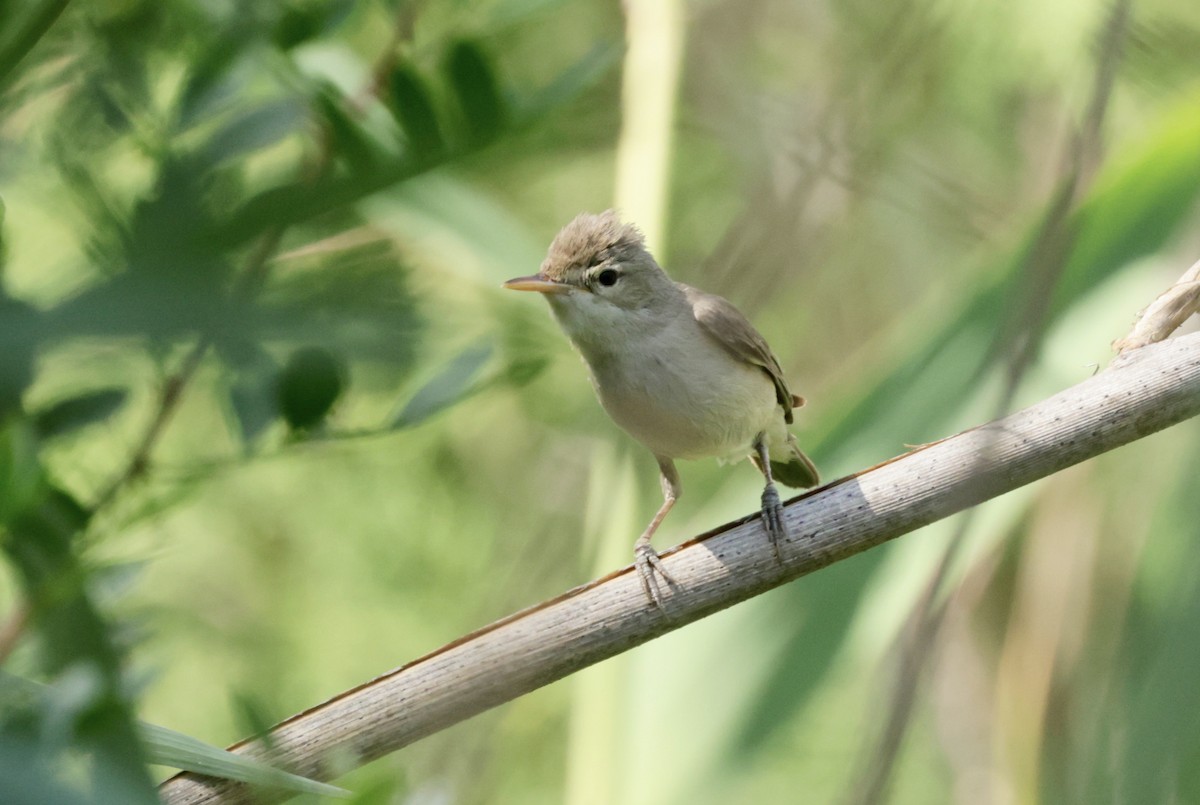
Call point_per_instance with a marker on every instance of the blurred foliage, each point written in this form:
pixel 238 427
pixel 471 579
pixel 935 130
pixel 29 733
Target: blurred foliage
pixel 269 427
pixel 190 171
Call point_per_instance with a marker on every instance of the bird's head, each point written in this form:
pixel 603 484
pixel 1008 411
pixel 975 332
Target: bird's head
pixel 598 275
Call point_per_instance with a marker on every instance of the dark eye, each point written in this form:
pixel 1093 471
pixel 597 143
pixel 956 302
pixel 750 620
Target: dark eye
pixel 608 277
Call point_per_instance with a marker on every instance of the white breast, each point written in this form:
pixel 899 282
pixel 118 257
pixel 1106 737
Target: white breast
pixel 677 391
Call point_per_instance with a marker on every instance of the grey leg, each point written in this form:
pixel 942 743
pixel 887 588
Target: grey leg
pixel 772 506
pixel 645 557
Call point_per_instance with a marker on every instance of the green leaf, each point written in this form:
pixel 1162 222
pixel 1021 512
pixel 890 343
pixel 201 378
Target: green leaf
pixel 1137 204
pixel 78 412
pixel 253 399
pixel 24 34
pixel 164 746
pixel 349 140
pixel 307 20
pixel 413 109
pixel 581 75
pixel 478 93
pixel 255 129
pixel 214 81
pixel 297 24
pixel 311 382
pixel 453 383
pixel 294 202
pixel 169 748
pixel 523 371
pixel 20 326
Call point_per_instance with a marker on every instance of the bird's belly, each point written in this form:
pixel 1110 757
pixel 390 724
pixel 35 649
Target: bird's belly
pixel 676 415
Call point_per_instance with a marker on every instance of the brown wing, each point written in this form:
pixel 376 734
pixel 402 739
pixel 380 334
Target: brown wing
pixel 726 324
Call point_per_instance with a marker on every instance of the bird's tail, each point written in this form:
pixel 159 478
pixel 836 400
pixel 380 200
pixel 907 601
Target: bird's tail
pixel 794 469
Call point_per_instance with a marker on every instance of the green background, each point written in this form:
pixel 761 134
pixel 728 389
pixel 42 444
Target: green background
pixel 934 210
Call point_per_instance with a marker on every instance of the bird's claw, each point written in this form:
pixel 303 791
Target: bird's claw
pixel 773 520
pixel 648 563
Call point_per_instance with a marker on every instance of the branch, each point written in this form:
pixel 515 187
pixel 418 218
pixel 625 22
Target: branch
pixel 1141 393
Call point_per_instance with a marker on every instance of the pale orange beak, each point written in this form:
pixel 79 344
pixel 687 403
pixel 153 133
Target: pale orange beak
pixel 537 283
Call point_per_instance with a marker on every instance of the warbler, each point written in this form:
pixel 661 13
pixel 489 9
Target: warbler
pixel 680 370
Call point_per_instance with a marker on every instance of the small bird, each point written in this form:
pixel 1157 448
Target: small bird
pixel 680 370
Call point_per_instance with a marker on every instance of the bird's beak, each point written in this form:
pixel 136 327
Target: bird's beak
pixel 538 283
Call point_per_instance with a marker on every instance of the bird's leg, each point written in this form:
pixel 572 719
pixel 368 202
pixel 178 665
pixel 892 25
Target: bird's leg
pixel 772 506
pixel 645 557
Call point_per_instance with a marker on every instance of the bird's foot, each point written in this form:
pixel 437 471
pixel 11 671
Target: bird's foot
pixel 649 567
pixel 773 520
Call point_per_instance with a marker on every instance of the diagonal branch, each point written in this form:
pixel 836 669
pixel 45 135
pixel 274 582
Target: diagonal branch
pixel 1143 392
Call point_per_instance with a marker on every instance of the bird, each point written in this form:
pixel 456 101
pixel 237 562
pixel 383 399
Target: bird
pixel 682 371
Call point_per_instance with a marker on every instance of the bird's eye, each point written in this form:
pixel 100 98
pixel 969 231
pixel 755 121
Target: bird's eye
pixel 608 277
